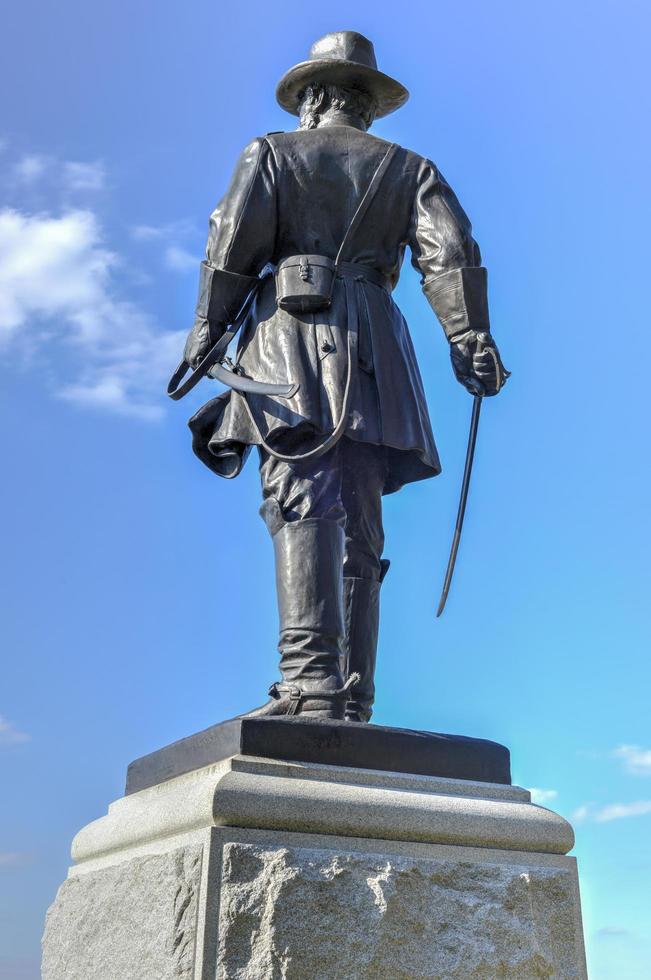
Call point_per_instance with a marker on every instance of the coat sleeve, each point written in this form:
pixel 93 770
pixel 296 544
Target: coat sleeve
pixel 241 237
pixel 446 255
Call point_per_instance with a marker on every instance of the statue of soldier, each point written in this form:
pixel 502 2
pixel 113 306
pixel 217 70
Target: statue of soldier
pixel 313 229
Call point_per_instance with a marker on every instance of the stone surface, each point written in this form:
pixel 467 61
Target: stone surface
pixel 301 913
pixel 255 868
pixel 311 798
pixel 357 810
pixel 337 743
pixel 134 921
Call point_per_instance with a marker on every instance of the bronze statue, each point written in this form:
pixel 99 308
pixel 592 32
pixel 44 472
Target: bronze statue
pixel 303 253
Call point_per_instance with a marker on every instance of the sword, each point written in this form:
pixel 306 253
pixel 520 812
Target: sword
pixel 465 485
pixel 461 513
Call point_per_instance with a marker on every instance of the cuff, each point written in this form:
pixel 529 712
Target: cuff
pixel 222 293
pixel 460 299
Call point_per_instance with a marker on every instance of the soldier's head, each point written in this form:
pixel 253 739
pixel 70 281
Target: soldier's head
pixel 319 101
pixel 340 77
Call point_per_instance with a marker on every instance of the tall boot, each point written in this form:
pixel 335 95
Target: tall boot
pixel 362 621
pixel 309 584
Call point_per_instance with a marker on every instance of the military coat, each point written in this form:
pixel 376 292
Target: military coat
pixel 295 193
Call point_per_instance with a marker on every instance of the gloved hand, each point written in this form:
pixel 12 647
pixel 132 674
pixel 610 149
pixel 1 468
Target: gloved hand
pixel 477 364
pixel 201 338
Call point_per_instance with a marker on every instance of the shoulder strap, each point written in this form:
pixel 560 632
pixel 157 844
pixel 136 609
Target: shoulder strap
pixel 363 206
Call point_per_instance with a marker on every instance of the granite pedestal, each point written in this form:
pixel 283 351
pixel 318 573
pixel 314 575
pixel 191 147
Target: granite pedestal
pixel 256 867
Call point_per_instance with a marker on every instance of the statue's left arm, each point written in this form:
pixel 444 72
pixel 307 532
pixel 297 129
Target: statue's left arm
pixel 454 281
pixel 240 243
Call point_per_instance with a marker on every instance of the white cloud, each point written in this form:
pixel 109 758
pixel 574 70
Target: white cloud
pixel 612 811
pixel 50 266
pixel 618 811
pixel 30 167
pixel 543 796
pixel 636 759
pixel 9 734
pixel 57 274
pixel 180 259
pixel 79 176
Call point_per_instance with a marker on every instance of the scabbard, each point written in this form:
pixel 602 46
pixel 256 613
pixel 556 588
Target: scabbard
pixel 240 382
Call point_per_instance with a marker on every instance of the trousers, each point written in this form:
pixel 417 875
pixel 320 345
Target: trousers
pixel 345 486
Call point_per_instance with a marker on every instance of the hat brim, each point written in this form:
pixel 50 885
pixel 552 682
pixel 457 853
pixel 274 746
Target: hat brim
pixel 387 92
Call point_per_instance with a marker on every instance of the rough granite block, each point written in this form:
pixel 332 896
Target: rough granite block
pixel 300 913
pixel 136 920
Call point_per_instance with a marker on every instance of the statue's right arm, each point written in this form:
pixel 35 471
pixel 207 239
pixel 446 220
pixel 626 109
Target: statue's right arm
pixel 454 281
pixel 240 243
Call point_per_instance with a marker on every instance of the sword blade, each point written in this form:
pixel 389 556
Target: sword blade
pixel 461 513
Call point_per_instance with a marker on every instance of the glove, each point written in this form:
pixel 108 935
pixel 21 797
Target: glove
pixel 201 338
pixel 477 364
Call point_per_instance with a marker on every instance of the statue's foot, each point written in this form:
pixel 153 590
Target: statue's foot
pixel 355 711
pixel 287 707
pixel 290 700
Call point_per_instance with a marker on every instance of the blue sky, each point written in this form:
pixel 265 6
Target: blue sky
pixel 137 587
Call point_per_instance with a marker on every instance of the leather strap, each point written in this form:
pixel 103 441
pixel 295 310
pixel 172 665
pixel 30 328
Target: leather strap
pixel 363 205
pixel 296 696
pixel 351 273
pixel 216 353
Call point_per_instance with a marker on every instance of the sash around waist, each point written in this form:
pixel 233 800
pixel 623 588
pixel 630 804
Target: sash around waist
pixel 358 271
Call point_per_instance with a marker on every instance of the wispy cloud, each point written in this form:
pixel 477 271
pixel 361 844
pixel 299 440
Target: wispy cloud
pixel 65 291
pixel 581 814
pixel 146 233
pixel 180 259
pixel 15 859
pixel 79 176
pixel 542 796
pixel 9 734
pixel 71 176
pixel 175 256
pixel 636 760
pixel 612 932
pixel 57 274
pixel 170 231
pixel 618 811
pixel 31 167
pixel 612 811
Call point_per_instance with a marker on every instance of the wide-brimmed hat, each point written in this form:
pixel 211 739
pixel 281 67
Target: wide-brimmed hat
pixel 343 58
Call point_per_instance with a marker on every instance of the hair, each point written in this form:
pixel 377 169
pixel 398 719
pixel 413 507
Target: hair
pixel 317 99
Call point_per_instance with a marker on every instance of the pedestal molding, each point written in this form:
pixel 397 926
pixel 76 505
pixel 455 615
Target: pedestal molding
pixel 320 799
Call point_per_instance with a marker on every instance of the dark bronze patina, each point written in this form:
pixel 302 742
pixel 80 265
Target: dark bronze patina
pixel 304 251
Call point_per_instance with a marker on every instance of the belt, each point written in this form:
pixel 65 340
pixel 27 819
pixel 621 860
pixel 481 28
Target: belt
pixel 367 272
